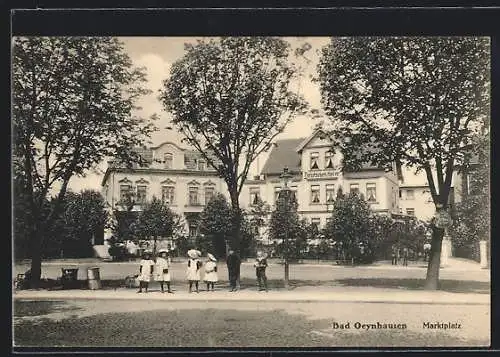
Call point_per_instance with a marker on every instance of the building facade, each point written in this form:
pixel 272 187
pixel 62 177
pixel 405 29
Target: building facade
pixel 179 176
pixel 317 177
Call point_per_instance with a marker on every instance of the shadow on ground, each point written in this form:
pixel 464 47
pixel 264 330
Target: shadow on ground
pixel 452 286
pixel 25 308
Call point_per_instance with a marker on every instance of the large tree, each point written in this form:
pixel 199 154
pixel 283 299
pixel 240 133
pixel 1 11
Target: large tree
pixel 155 221
pixel 85 217
pixel 230 98
pixel 418 101
pixel 351 224
pixel 286 227
pixel 73 99
pixel 472 214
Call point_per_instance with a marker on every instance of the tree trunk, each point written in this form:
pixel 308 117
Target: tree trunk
pixel 432 278
pixel 38 231
pixel 235 242
pixel 36 257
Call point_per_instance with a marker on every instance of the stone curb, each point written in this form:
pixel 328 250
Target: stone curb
pixel 429 298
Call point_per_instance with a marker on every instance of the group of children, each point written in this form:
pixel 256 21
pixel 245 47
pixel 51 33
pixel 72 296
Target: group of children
pixel 148 267
pixel 160 271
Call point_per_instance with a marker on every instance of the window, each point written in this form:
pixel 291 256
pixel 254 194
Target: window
pixel 169 159
pixel 400 193
pixel 410 194
pixel 314 161
pixel 330 193
pixel 254 195
pixel 316 222
pixel 209 194
pixel 193 196
pixel 354 188
pixel 276 194
pixel 167 194
pixel 329 160
pixel 125 191
pixel 315 194
pixel 201 165
pixel 472 187
pixel 141 193
pixel 293 193
pixel 410 211
pixel 371 192
pixel 193 230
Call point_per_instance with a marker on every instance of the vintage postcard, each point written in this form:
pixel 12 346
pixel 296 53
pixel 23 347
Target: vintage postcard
pixel 227 192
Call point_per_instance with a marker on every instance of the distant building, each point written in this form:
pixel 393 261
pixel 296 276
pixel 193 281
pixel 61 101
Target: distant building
pixel 179 176
pixel 317 177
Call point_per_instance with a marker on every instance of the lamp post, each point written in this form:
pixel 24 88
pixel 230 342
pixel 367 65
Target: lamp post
pixel 284 194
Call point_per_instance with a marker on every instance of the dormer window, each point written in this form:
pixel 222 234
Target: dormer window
pixel 168 159
pixel 254 195
pixel 329 160
pixel 314 161
pixel 201 165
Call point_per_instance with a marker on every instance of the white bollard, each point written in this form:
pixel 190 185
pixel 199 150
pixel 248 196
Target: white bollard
pixel 483 252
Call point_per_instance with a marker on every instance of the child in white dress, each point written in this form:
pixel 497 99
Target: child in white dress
pixel 145 271
pixel 193 272
pixel 163 270
pixel 211 272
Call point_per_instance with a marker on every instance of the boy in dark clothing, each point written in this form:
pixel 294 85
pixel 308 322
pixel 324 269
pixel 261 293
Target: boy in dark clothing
pixel 260 270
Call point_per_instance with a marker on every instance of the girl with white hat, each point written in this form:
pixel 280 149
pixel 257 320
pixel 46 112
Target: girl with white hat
pixel 162 270
pixel 193 272
pixel 211 272
pixel 145 271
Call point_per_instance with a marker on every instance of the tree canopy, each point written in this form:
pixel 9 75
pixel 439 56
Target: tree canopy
pixel 72 104
pixel 472 214
pixel 418 101
pixel 216 226
pixel 230 97
pixel 155 220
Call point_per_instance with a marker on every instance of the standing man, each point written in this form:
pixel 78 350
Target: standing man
pixel 394 255
pixel 233 262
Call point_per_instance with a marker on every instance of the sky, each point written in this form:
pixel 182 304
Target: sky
pixel 157 54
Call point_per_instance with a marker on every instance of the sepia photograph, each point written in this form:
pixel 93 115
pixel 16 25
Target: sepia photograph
pixel 251 191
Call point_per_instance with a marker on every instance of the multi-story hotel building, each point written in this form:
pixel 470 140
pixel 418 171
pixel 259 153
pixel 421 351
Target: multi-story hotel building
pixel 317 177
pixel 179 176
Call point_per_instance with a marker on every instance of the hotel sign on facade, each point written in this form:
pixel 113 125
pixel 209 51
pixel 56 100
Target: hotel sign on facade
pixel 321 174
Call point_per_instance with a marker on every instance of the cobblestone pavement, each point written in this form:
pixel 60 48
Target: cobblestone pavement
pixel 258 323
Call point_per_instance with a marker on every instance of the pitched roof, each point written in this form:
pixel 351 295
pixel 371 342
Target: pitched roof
pixel 307 140
pixel 288 153
pixel 283 154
